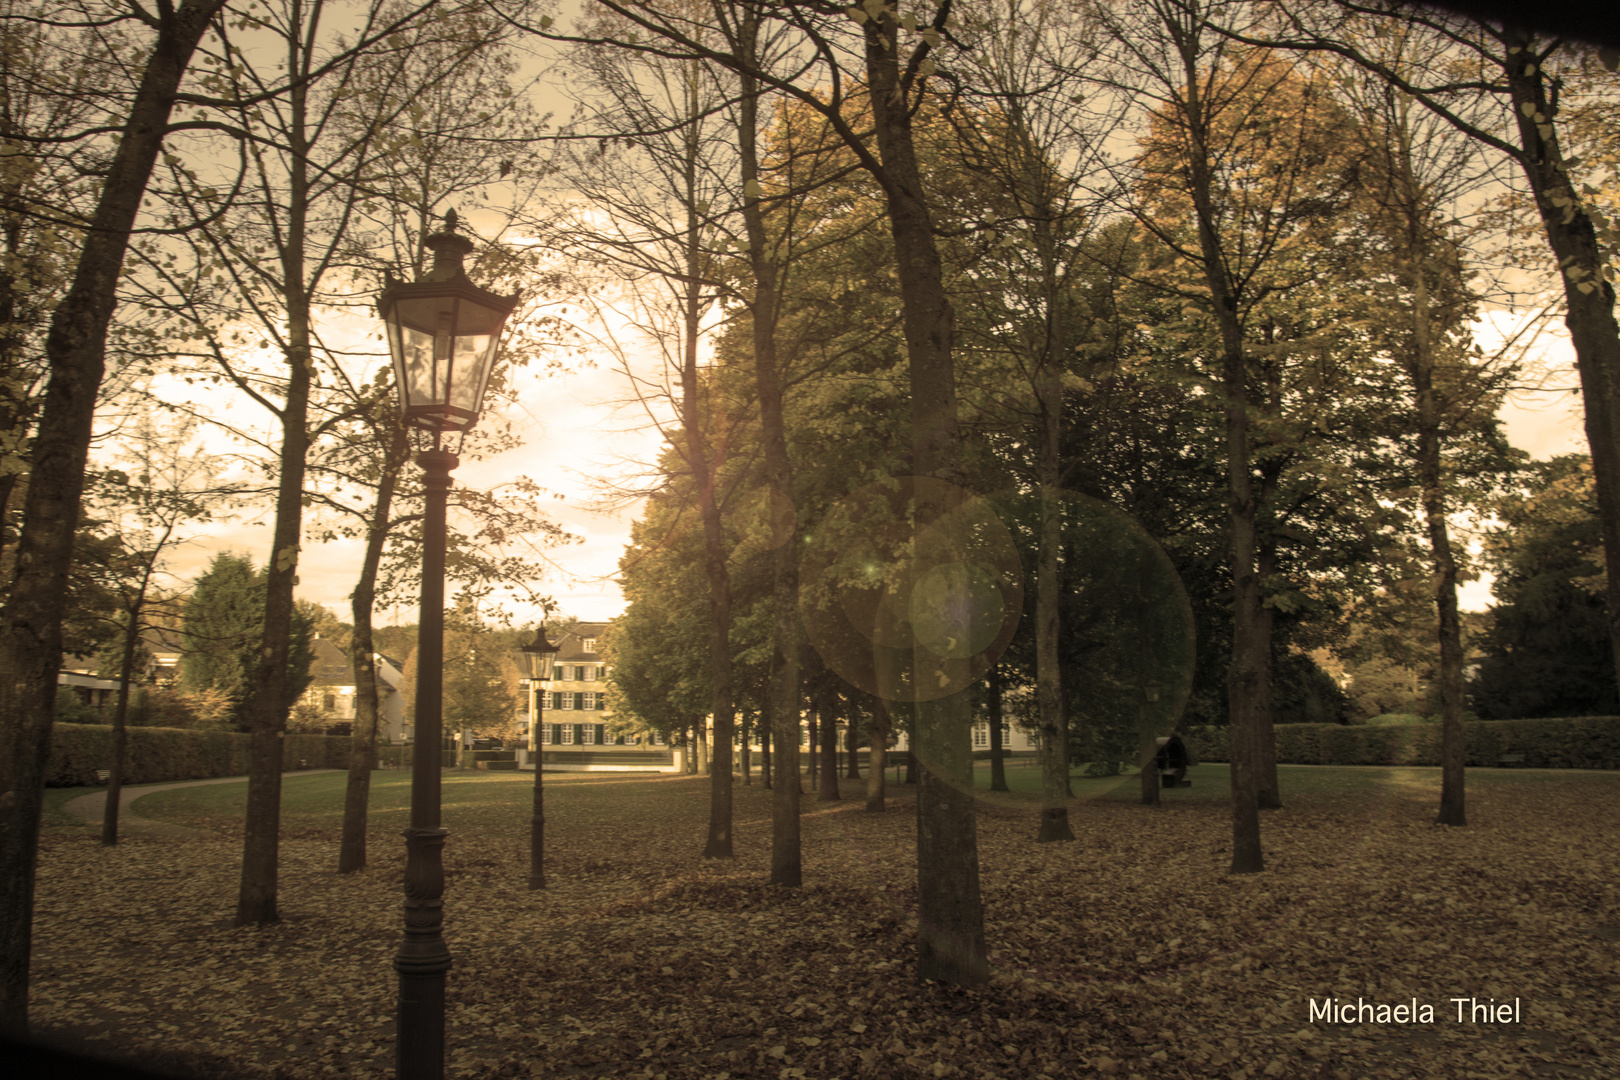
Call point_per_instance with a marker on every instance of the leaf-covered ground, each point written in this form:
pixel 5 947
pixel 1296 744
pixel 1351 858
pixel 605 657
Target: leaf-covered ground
pixel 1128 953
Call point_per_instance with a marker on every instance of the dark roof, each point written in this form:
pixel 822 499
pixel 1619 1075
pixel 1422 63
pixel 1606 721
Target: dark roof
pixel 571 646
pixel 329 667
pixel 163 639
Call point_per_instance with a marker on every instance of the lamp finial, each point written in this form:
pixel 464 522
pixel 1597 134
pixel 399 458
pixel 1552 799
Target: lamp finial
pixel 449 247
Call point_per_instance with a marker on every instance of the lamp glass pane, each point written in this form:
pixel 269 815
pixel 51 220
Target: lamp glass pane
pixel 444 339
pixel 420 378
pixel 472 351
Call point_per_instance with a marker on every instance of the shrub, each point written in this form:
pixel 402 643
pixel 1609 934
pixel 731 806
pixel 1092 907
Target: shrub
pixel 1301 743
pixel 71 709
pixel 1582 742
pixel 159 755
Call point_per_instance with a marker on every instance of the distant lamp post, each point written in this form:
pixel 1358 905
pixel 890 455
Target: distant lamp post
pixel 537 657
pixel 443 332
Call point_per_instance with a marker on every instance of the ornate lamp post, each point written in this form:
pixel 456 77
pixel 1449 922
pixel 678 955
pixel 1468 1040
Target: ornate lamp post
pixel 537 656
pixel 443 332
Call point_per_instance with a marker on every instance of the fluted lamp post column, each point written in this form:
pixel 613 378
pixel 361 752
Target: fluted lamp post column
pixel 537 656
pixel 443 333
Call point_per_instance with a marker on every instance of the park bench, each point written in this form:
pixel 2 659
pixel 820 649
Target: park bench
pixel 102 776
pixel 1171 761
pixel 1509 759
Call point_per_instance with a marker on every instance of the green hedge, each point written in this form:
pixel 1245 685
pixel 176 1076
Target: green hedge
pixel 1580 742
pixel 157 755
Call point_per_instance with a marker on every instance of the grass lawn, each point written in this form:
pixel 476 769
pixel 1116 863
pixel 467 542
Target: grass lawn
pixel 53 816
pixel 1212 782
pixel 1128 952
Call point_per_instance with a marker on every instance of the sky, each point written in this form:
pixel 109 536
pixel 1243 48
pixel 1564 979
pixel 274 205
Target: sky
pixel 575 436
pixel 577 433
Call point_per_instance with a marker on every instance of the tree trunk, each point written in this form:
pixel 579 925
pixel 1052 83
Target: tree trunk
pixel 1453 740
pixel 256 899
pixel 852 747
pixel 1267 788
pixel 875 778
pixel 813 742
pixel 950 912
pixel 787 867
pixel 1453 809
pixel 1588 296
pixel 998 764
pixel 746 756
pixel 765 754
pixel 31 625
pixel 1146 756
pixel 828 791
pixel 1246 674
pixel 1054 726
pixel 704 458
pixel 764 308
pixel 120 724
pixel 367 713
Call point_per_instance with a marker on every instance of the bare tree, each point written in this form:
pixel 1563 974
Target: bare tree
pixel 30 626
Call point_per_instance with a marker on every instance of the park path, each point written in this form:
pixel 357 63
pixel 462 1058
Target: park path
pixel 90 808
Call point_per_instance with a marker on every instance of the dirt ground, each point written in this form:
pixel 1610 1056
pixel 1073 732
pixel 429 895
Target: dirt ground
pixel 1129 953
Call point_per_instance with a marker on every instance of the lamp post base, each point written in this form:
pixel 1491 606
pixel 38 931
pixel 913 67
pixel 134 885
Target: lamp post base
pixel 422 961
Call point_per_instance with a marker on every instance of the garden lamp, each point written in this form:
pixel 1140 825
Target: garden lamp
pixel 537 657
pixel 443 333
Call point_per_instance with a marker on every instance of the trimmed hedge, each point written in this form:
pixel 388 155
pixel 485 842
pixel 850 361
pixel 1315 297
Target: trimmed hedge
pixel 1578 742
pixel 158 755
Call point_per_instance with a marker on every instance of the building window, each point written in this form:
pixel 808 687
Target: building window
pixel 601 701
pixel 657 738
pixel 601 671
pixel 981 734
pixel 545 734
pixel 590 673
pixel 590 699
pixel 588 731
pixel 590 644
pixel 567 734
pixel 560 700
pixel 329 702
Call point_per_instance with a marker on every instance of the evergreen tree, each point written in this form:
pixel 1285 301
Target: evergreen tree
pixel 224 616
pixel 1547 649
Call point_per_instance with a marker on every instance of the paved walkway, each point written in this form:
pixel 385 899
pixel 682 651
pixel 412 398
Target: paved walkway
pixel 90 808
